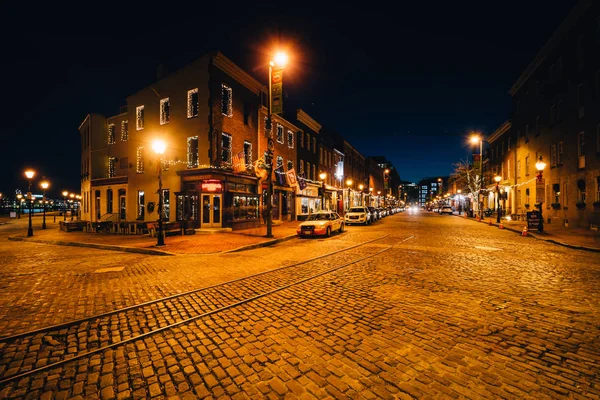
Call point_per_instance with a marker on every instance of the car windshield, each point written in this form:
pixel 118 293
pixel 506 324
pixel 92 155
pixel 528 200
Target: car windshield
pixel 319 217
pixel 357 209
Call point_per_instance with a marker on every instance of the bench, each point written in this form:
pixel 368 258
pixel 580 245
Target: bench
pixel 168 227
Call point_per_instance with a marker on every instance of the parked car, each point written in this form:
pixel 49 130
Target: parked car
pixel 358 215
pixel 382 212
pixel 321 223
pixel 446 210
pixel 374 214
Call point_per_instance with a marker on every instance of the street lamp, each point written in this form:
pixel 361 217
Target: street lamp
pixel 19 197
pixel 65 194
pixel 474 140
pixel 322 176
pixel 159 147
pixel 497 178
pixel 349 184
pixel 361 187
pixel 540 165
pixel 44 185
pixel 72 196
pixel 29 174
pixel 280 60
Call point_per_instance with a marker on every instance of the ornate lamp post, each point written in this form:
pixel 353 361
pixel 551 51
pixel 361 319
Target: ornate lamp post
pixel 72 196
pixel 540 165
pixel 29 174
pixel 44 185
pixel 159 148
pixel 349 184
pixel 322 176
pixel 497 179
pixel 65 194
pixel 370 194
pixel 362 195
pixel 19 197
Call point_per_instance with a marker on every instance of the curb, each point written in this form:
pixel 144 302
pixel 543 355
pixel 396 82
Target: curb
pixel 95 246
pixel 263 244
pixel 571 246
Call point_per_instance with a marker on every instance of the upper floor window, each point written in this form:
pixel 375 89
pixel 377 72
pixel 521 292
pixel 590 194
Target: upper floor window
pixel 508 144
pixel 290 139
pixel 111 133
pixel 124 131
pixel 192 103
pixel 112 161
pixel 314 140
pixel 307 142
pixel 226 147
pixel 560 153
pixel 553 155
pixel 192 152
pixel 226 100
pixel 139 163
pixel 527 166
pixel 139 120
pixel 165 112
pixel 248 153
pixel 301 139
pixel 279 133
pixel 581 144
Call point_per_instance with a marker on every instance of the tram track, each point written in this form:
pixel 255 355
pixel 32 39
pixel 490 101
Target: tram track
pixel 85 337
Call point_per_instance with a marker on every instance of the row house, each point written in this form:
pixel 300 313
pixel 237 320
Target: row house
pixel 501 161
pixel 556 103
pixel 309 193
pixel 331 167
pixel 356 177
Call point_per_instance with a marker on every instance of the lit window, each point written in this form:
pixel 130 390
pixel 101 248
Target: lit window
pixel 192 103
pixel 139 121
pixel 140 204
pixel 192 152
pixel 139 164
pixel 279 133
pixel 165 112
pixel 553 155
pixel 226 148
pixel 248 153
pixel 290 141
pixel 226 100
pixel 111 134
pixel 124 131
pixel 111 166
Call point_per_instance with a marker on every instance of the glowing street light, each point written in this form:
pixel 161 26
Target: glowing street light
pixel 72 196
pixel 497 178
pixel 19 197
pixel 29 174
pixel 159 147
pixel 540 165
pixel 322 176
pixel 474 140
pixel 44 185
pixel 65 194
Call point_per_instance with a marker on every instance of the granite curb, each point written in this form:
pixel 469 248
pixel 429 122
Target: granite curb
pixel 571 246
pixel 263 244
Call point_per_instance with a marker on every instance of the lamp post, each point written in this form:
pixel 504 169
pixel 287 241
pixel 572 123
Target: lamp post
pixel 29 174
pixel 498 178
pixel 361 187
pixel 44 186
pixel 19 197
pixel 280 60
pixel 385 183
pixel 72 196
pixel 349 184
pixel 65 194
pixel 540 165
pixel 159 147
pixel 322 176
pixel 474 140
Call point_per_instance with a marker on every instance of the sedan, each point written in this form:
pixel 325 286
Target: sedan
pixel 321 223
pixel 446 210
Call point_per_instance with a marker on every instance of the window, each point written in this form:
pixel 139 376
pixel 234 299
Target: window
pixel 307 142
pixel 139 118
pixel 111 134
pixel 245 207
pixel 518 106
pixel 279 133
pixel 314 140
pixel 226 100
pixel 109 201
pixel 140 204
pixel 290 164
pixel 165 113
pixel 502 148
pixel 553 155
pixel 321 155
pixel 166 204
pixel 226 148
pixel 192 103
pixel 581 144
pixel 301 139
pixel 111 166
pixel 279 162
pixel 527 166
pixel 492 156
pixel 307 170
pixel 598 188
pixel 556 193
pixel 290 139
pixel 560 153
pixel 248 153
pixel 124 131
pixel 301 167
pixel 508 162
pixel 314 171
pixel 246 113
pixel 192 152
pixel 580 101
pixel 139 164
pixel 581 194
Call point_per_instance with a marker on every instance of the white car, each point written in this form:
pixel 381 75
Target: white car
pixel 321 223
pixel 358 215
pixel 446 210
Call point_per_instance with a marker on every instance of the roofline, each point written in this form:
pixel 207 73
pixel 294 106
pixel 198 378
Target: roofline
pixel 84 120
pixel 568 23
pixel 227 66
pixel 506 125
pixel 307 120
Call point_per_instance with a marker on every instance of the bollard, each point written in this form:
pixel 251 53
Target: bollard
pixel 501 226
pixel 524 233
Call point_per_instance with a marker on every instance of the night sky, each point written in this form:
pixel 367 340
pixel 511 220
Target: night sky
pixel 408 84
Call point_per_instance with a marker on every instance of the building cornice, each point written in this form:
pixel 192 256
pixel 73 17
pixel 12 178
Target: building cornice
pixel 552 43
pixel 307 120
pixel 84 121
pixel 498 132
pixel 227 66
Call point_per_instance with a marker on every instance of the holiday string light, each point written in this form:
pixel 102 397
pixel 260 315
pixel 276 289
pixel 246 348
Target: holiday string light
pixel 226 94
pixel 124 131
pixel 192 104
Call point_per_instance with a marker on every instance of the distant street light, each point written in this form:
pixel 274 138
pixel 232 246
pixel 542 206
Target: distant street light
pixel 44 185
pixel 29 174
pixel 72 196
pixel 362 195
pixel 475 139
pixel 322 176
pixel 540 165
pixel 19 197
pixel 65 194
pixel 498 178
pixel 159 147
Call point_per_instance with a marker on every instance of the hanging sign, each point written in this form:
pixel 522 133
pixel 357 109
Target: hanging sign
pixel 277 91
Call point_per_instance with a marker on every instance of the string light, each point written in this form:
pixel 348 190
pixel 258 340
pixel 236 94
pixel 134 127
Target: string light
pixel 124 131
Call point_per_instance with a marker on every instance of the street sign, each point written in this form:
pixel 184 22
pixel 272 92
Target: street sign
pixel 540 190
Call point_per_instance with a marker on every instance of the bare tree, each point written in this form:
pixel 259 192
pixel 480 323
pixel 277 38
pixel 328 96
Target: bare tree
pixel 468 179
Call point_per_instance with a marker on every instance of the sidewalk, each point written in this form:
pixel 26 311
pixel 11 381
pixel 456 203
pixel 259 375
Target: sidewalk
pixel 577 238
pixel 205 242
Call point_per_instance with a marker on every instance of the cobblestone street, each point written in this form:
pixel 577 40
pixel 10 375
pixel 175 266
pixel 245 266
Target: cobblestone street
pixel 414 306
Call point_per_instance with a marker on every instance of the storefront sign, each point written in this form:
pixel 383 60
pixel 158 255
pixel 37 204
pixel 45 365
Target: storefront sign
pixel 533 219
pixel 212 186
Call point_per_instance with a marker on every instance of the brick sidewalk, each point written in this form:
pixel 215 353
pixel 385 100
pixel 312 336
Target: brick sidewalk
pixel 200 243
pixel 572 237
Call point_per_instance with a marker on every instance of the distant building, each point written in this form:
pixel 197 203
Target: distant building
pixel 408 192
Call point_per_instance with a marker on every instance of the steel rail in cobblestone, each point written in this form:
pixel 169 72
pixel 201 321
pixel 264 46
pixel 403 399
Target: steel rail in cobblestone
pixel 211 312
pixel 147 303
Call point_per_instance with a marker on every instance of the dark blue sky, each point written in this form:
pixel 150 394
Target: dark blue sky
pixel 408 84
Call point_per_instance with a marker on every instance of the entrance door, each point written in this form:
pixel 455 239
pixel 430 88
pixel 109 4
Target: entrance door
pixel 122 208
pixel 211 211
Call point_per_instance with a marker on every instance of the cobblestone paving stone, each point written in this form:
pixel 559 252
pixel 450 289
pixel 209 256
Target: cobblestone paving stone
pixel 433 317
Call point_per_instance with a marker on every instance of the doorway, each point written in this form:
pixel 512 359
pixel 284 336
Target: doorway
pixel 211 211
